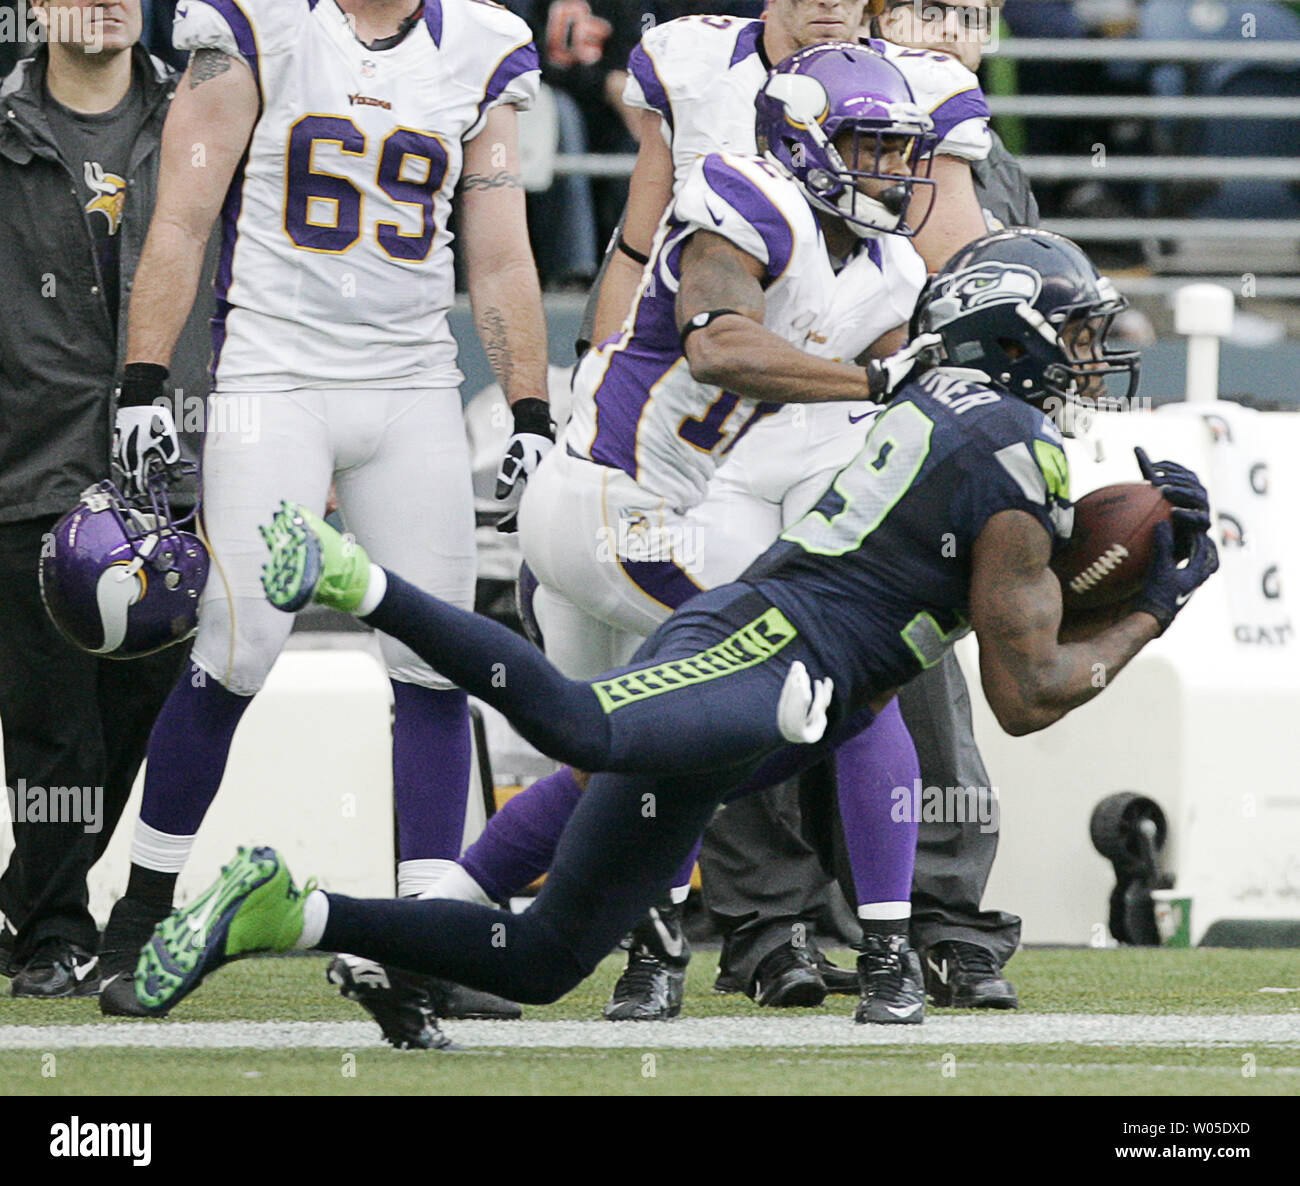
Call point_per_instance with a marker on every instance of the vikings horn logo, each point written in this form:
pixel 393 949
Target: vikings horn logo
pixel 110 194
pixel 984 284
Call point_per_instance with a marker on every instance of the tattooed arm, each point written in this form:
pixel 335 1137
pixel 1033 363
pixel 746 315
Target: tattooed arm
pixel 503 287
pixel 208 127
pixel 735 351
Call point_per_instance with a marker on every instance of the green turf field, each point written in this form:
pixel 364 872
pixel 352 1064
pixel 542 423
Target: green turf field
pixel 1141 1022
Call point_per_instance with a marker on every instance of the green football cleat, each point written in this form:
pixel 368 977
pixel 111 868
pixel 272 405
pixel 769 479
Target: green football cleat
pixel 253 906
pixel 310 561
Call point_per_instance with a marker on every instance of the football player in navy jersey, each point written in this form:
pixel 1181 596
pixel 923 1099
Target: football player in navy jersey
pixel 946 520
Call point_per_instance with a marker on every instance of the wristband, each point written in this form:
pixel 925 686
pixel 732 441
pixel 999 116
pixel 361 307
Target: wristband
pixel 533 415
pixel 143 383
pixel 631 252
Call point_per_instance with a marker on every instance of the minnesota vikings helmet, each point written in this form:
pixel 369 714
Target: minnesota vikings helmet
pixel 119 577
pixel 1029 310
pixel 817 94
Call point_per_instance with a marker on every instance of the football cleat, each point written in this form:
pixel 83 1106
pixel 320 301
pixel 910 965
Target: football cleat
pixel 310 561
pixel 253 906
pixel 8 936
pixel 890 982
pixel 399 1001
pixel 966 976
pixel 129 928
pixel 787 978
pixel 57 969
pixel 653 984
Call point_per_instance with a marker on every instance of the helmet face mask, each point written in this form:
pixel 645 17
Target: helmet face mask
pixel 1028 310
pixel 835 116
pixel 119 577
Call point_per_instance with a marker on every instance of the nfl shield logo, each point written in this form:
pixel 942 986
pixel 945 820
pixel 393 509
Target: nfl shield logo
pixel 367 69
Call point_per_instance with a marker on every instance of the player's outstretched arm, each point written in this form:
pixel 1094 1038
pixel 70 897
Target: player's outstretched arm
pixel 207 130
pixel 1030 679
pixel 720 308
pixel 649 192
pixel 956 219
pixel 503 286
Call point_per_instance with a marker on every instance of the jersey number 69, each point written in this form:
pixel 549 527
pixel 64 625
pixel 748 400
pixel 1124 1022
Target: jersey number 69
pixel 323 211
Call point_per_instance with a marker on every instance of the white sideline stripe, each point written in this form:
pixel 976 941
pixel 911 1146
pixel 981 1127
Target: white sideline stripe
pixel 685 1033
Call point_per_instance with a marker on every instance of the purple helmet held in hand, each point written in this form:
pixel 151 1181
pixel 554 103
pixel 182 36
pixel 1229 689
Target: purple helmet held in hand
pixel 119 578
pixel 816 96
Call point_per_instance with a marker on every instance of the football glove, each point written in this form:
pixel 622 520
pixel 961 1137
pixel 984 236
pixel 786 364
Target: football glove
pixel 1182 489
pixel 1170 586
pixel 533 439
pixel 886 375
pixel 144 438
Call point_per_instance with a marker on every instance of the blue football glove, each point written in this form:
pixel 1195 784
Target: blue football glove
pixel 1183 490
pixel 1170 586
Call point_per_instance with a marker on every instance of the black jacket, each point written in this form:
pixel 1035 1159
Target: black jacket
pixel 59 357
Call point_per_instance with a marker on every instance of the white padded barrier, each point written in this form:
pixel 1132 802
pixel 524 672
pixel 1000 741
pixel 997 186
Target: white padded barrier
pixel 1206 720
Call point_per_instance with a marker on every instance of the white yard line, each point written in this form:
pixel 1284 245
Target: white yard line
pixel 687 1033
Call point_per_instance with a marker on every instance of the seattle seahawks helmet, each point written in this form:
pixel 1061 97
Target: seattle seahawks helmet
pixel 1029 310
pixel 822 91
pixel 119 577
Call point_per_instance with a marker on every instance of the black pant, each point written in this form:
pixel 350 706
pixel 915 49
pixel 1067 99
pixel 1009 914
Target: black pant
pixel 70 719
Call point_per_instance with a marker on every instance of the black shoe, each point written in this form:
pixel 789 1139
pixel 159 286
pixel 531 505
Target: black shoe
pixel 57 969
pixel 728 983
pixel 654 982
pixel 787 978
pixel 399 1001
pixel 456 1002
pixel 838 980
pixel 890 982
pixel 966 976
pixel 130 924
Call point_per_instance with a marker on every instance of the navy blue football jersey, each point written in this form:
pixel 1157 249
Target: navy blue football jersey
pixel 876 577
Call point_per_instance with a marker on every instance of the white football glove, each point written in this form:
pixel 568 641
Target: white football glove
pixel 533 439
pixel 801 711
pixel 886 375
pixel 145 439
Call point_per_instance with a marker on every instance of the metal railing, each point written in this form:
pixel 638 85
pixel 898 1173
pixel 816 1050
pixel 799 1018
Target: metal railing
pixel 1116 49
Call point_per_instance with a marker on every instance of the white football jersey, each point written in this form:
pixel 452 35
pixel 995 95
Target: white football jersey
pixel 336 263
pixel 702 74
pixel 636 406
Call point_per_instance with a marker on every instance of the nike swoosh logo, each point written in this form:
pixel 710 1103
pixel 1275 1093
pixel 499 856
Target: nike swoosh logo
pixel 672 945
pixel 103 984
pixel 81 971
pixel 903 1010
pixel 939 969
pixel 716 220
pixel 859 419
pixel 1182 599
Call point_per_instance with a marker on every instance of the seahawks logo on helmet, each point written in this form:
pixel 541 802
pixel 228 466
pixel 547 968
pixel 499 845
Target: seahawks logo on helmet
pixel 984 284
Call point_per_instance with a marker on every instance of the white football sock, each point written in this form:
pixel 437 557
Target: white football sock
pixel 374 593
pixel 885 911
pixel 459 886
pixel 315 914
pixel 159 851
pixel 414 877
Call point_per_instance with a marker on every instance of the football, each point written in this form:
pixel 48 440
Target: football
pixel 1106 560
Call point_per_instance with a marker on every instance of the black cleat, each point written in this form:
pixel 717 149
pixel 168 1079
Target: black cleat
pixel 838 980
pixel 130 926
pixel 399 1001
pixel 456 1002
pixel 654 982
pixel 57 969
pixel 890 982
pixel 966 976
pixel 787 977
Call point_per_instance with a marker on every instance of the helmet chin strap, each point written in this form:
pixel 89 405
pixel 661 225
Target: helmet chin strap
pixel 869 217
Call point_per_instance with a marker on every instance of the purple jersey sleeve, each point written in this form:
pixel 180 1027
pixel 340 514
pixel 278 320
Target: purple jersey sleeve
pixel 759 215
pixel 957 110
pixel 641 67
